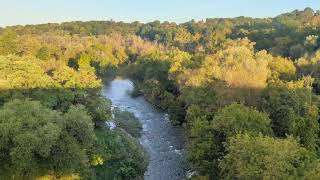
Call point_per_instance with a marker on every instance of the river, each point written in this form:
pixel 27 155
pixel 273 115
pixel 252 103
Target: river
pixel 163 141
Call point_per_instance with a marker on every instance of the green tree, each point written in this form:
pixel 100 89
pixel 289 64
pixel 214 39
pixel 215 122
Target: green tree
pixel 291 108
pixel 98 107
pixel 36 140
pixel 238 118
pixel 123 155
pixel 306 128
pixel 207 137
pixel 259 157
pixel 204 150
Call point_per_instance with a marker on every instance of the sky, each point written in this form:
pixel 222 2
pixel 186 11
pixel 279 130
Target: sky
pixel 14 12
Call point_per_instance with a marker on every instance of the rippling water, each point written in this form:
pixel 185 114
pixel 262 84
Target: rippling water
pixel 163 141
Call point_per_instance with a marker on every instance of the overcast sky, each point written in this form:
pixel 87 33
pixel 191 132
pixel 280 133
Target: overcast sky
pixel 13 12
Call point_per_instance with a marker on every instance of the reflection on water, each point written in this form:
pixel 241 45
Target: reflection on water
pixel 162 140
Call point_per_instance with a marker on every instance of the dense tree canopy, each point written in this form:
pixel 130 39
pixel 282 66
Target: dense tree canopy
pixel 208 136
pixel 261 157
pixel 238 118
pixel 35 139
pixel 259 77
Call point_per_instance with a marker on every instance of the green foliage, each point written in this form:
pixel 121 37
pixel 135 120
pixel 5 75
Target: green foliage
pixel 152 74
pixel 193 71
pixel 128 122
pixel 258 157
pixel 123 155
pixel 37 140
pixel 207 137
pixel 238 118
pixel 292 108
pixel 204 150
pixel 306 128
pixel 98 107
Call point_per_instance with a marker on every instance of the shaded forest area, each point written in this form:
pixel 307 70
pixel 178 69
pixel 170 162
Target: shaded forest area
pixel 246 90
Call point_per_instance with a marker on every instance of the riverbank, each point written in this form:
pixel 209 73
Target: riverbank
pixel 163 141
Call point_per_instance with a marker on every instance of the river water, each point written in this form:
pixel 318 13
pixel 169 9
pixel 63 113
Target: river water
pixel 163 141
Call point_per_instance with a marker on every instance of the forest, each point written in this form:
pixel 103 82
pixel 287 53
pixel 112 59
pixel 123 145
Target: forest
pixel 245 90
